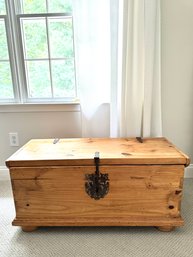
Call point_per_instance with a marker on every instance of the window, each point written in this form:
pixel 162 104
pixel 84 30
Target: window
pixel 37 61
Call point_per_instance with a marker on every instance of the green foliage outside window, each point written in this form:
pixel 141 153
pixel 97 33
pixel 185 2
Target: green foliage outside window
pixel 55 54
pixel 2 7
pixel 54 6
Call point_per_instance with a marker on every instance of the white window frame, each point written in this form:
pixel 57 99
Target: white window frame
pixel 16 55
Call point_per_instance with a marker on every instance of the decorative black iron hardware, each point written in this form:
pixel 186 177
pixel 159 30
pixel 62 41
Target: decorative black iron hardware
pixel 97 185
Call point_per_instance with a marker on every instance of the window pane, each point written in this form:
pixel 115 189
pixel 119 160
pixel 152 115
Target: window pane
pixel 3 42
pixel 38 79
pixel 63 77
pixel 2 7
pixel 6 88
pixel 61 37
pixel 34 6
pixel 35 38
pixel 60 6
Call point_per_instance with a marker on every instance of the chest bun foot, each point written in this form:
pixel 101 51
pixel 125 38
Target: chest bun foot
pixel 28 228
pixel 165 228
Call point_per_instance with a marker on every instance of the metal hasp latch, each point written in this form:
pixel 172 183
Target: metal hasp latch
pixel 97 184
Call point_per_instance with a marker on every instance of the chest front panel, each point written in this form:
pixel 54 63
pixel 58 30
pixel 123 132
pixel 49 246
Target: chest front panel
pixel 48 192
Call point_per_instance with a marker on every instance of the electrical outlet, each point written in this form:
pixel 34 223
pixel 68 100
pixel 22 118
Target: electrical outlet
pixel 13 139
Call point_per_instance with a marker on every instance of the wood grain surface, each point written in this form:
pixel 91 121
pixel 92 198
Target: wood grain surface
pixel 44 152
pixel 135 191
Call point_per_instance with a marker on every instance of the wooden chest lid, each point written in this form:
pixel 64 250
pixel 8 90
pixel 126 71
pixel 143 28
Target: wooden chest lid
pixel 81 151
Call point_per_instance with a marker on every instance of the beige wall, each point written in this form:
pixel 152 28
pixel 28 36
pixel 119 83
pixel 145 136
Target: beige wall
pixel 177 72
pixel 41 121
pixel 47 121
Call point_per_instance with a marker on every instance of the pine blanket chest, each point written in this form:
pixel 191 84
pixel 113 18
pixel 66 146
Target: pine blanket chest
pixel 97 182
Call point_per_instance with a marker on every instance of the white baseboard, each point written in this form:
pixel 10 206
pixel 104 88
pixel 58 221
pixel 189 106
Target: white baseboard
pixel 4 172
pixel 189 171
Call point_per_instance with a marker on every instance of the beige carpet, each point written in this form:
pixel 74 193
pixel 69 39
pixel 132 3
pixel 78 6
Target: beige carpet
pixel 95 241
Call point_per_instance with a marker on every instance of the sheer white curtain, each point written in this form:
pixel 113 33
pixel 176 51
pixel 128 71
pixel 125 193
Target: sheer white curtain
pixel 92 49
pixel 136 98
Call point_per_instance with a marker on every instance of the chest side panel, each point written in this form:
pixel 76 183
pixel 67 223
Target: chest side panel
pixel 149 191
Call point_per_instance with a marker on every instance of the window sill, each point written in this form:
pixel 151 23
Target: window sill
pixel 40 107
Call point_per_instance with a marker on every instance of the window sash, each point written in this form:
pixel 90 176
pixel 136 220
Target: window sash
pixel 49 58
